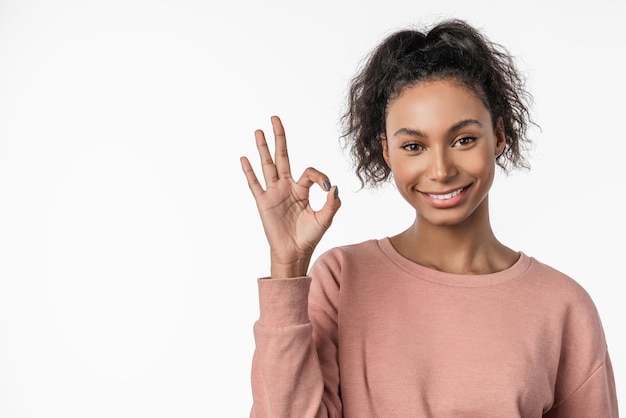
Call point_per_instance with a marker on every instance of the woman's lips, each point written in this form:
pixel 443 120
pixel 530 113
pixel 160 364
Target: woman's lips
pixel 445 196
pixel 446 200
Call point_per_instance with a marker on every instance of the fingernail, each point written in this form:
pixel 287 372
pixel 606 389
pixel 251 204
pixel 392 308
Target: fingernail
pixel 326 185
pixel 336 192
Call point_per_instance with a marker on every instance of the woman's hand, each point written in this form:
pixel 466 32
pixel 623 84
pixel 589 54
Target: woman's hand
pixel 292 227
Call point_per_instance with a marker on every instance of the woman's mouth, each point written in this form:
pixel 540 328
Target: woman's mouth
pixel 446 200
pixel 447 195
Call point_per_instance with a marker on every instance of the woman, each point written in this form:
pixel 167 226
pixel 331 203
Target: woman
pixel 441 320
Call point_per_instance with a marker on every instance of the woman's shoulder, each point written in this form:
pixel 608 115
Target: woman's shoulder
pixel 557 284
pixel 355 252
pixel 338 264
pixel 350 258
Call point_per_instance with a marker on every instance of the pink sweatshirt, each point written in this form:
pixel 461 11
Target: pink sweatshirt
pixel 385 337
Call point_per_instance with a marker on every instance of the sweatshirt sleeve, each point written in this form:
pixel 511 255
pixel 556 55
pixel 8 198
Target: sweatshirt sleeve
pixel 595 398
pixel 585 383
pixel 288 379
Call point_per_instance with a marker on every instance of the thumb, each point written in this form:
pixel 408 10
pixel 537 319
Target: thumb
pixel 330 208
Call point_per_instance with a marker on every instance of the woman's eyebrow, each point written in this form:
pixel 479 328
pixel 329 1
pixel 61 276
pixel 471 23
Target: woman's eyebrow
pixel 464 123
pixel 410 132
pixel 459 125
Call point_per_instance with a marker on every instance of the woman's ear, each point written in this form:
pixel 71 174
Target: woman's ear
pixel 385 146
pixel 500 138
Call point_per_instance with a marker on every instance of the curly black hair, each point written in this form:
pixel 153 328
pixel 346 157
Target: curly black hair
pixel 450 50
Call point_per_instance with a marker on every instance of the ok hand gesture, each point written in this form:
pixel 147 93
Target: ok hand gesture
pixel 293 229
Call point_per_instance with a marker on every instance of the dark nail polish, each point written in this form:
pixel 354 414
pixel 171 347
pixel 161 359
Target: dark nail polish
pixel 336 192
pixel 326 185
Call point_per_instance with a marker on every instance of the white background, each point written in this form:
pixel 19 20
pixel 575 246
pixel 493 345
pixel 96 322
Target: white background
pixel 129 242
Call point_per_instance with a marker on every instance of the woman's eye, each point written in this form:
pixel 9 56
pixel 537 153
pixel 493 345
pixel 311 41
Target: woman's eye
pixel 465 140
pixel 412 147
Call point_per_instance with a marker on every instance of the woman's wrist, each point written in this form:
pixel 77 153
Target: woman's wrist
pixel 283 271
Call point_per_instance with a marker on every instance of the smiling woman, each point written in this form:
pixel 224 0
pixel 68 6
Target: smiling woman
pixel 442 319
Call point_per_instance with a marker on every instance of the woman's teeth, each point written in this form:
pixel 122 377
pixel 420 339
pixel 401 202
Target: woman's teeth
pixel 446 196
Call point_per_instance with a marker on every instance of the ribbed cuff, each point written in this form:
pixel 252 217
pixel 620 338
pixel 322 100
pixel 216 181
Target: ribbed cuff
pixel 284 302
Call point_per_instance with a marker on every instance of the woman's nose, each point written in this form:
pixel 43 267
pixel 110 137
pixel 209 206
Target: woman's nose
pixel 441 166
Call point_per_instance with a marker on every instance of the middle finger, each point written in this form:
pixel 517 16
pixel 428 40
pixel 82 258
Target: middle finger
pixel 267 164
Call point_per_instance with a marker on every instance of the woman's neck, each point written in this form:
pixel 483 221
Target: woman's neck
pixel 468 248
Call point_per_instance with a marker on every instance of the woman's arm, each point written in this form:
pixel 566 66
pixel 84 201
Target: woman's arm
pixel 294 368
pixel 287 377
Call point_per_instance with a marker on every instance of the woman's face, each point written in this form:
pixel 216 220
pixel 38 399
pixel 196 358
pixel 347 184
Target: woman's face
pixel 441 147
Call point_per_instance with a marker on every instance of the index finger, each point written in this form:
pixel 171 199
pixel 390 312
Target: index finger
pixel 281 156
